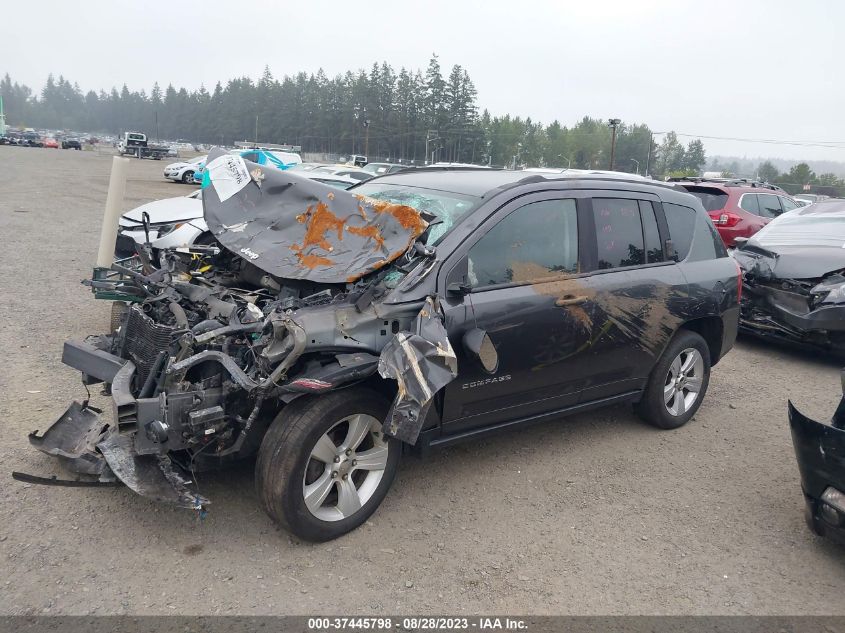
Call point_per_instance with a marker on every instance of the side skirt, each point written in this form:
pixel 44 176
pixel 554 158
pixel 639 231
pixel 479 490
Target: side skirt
pixel 431 439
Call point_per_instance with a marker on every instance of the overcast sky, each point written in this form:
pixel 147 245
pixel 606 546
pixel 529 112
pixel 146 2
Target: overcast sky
pixel 742 69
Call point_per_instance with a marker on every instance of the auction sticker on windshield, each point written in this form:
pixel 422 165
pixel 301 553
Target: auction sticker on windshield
pixel 228 174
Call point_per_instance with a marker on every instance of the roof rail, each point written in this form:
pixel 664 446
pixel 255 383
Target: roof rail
pixel 729 182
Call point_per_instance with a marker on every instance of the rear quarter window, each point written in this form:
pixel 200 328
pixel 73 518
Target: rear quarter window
pixel 693 235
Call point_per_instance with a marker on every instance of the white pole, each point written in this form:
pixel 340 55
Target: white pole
pixel 114 208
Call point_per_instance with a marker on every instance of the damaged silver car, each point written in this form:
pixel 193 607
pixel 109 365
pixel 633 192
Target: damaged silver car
pixel 320 335
pixel 794 277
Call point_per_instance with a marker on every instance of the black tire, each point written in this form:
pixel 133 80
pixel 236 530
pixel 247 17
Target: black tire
pixel 188 178
pixel 285 454
pixel 652 408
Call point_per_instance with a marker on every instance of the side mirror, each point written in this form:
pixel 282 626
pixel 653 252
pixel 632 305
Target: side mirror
pixel 478 344
pixel 458 288
pixel 740 241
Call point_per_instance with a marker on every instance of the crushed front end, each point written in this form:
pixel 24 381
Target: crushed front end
pixel 820 450
pixel 293 305
pixel 802 309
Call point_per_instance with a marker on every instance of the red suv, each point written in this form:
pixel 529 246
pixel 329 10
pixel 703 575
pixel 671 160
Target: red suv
pixel 739 207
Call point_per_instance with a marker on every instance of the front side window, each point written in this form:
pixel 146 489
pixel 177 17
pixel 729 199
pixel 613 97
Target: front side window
pixel 749 203
pixel 619 233
pixel 769 205
pixel 535 242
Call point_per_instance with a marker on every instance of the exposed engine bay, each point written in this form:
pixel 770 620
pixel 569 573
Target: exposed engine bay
pixel 225 337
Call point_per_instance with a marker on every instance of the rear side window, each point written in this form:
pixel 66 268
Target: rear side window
pixel 749 203
pixel 619 233
pixel 769 205
pixel 788 205
pixel 537 241
pixel 711 198
pixel 681 221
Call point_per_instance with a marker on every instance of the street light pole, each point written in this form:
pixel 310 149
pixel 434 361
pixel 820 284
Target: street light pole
pixel 613 123
pixel 366 137
pixel 634 160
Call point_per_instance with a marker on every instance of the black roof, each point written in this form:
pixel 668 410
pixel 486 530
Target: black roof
pixel 479 182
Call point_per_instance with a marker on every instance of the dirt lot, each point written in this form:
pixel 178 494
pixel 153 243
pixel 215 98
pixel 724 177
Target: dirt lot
pixel 596 514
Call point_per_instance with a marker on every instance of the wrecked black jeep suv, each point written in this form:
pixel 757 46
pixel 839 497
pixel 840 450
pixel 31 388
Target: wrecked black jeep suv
pixel 419 308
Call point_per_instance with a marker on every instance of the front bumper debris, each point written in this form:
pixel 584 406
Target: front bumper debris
pixel 97 450
pixel 820 451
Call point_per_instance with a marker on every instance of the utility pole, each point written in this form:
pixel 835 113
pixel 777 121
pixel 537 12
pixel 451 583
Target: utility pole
pixel 158 140
pixel 256 132
pixel 2 118
pixel 613 123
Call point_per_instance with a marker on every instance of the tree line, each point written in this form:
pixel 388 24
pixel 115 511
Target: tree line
pixel 800 179
pixel 411 115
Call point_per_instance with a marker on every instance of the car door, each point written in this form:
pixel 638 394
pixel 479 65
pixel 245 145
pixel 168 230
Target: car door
pixel 520 271
pixel 769 206
pixel 632 283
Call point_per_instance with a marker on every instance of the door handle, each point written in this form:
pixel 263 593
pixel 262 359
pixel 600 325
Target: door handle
pixel 569 300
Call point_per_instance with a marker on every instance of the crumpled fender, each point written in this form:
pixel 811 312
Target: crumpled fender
pixel 422 362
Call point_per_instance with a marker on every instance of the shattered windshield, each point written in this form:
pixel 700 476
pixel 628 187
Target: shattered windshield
pixel 448 207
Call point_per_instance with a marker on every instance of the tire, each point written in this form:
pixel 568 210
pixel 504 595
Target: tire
pixel 668 401
pixel 188 178
pixel 286 466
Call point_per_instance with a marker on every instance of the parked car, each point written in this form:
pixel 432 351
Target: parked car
pixel 345 172
pixel 31 139
pixel 341 182
pixel 380 169
pixel 820 451
pixel 71 143
pixel 172 222
pixel 810 198
pixel 794 277
pixel 739 207
pixel 183 171
pixel 270 158
pixel 423 308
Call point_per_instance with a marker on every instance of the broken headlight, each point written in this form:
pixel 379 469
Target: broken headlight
pixel 829 291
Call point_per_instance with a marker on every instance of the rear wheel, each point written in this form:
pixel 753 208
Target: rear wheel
pixel 677 383
pixel 324 465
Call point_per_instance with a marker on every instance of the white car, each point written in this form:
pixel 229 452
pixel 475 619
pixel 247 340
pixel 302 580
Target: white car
pixel 173 222
pixel 183 171
pixel 347 172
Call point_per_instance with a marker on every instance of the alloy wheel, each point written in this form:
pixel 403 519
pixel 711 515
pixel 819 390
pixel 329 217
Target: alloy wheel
pixel 345 467
pixel 683 382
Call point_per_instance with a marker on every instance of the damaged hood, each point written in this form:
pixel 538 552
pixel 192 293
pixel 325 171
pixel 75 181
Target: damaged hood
pixel 296 228
pixel 791 262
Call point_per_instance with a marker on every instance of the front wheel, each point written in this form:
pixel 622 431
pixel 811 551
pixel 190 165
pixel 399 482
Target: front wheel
pixel 324 465
pixel 677 383
pixel 188 177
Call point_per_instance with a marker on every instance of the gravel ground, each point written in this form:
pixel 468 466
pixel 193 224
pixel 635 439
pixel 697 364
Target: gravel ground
pixel 596 514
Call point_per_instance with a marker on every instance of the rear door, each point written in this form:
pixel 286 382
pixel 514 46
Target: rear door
pixel 632 284
pixel 522 267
